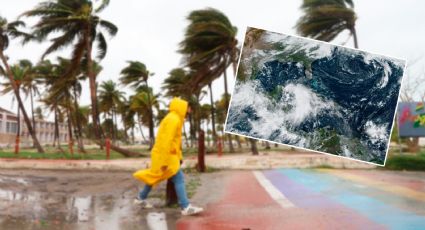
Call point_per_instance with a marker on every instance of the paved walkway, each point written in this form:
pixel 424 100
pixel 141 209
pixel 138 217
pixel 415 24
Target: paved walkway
pixel 316 199
pixel 268 160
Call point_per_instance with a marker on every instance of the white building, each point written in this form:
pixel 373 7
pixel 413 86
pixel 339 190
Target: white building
pixel 45 130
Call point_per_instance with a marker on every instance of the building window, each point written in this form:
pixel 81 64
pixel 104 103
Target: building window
pixel 11 127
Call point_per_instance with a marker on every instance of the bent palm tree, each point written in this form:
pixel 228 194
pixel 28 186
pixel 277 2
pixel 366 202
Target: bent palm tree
pixel 75 20
pixel 210 47
pixel 110 99
pixel 325 19
pixel 7 31
pixel 175 85
pixel 142 103
pixel 135 75
pixel 30 85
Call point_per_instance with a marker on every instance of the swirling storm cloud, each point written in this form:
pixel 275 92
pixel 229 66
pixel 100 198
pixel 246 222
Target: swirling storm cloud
pixel 317 96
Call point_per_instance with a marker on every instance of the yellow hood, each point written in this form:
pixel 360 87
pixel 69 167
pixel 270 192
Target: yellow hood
pixel 166 153
pixel 179 106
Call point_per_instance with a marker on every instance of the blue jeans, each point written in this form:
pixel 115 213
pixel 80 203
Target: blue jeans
pixel 178 181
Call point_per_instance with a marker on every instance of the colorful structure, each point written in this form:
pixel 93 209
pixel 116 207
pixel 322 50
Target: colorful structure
pixel 411 119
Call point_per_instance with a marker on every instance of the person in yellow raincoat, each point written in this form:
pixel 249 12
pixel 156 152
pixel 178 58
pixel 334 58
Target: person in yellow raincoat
pixel 166 157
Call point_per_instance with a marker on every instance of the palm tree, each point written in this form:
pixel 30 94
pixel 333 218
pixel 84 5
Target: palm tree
pixel 210 43
pixel 175 85
pixel 8 31
pixel 142 103
pixel 325 19
pixel 58 95
pixel 19 74
pixel 39 113
pixel 135 75
pixel 210 47
pixel 110 99
pixel 254 149
pixel 127 116
pixel 75 20
pixel 30 86
pixel 45 76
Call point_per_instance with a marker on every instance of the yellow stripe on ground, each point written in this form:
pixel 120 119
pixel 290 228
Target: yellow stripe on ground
pixel 384 186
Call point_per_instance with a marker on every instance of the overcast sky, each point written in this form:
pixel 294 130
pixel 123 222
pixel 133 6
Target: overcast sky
pixel 149 31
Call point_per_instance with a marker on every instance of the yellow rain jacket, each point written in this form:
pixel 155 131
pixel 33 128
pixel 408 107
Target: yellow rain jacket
pixel 166 151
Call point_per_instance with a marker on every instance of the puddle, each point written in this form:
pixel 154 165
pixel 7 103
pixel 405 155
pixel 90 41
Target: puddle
pixel 82 204
pixel 33 210
pixel 49 200
pixel 156 221
pixel 9 180
pixel 8 195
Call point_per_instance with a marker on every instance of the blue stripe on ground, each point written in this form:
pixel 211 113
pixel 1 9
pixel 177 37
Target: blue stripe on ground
pixel 379 212
pixel 305 198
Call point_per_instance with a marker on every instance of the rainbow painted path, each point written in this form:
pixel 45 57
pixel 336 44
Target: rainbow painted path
pixel 317 199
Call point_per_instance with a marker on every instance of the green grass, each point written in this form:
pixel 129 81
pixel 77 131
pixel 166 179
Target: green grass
pixel 193 183
pixel 414 162
pixel 51 153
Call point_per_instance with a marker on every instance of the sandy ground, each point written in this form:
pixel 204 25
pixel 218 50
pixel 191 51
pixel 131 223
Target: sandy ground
pixel 40 199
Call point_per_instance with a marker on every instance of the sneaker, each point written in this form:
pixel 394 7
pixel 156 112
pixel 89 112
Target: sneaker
pixel 143 203
pixel 191 210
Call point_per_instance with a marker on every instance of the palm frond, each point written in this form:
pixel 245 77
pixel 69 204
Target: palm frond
pixel 102 6
pixel 102 46
pixel 109 27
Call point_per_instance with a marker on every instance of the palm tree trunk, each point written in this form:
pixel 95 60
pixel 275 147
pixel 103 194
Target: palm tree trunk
pixel 198 115
pixel 354 33
pixel 229 137
pixel 55 132
pixel 132 135
pixel 151 131
pixel 78 123
pixel 20 103
pixel 238 140
pixel 212 116
pixel 92 82
pixel 18 132
pixel 57 136
pixel 141 131
pixel 71 140
pixel 93 95
pixel 267 145
pixel 185 135
pixel 111 129
pixel 254 149
pixel 32 113
pixel 115 125
pixel 191 129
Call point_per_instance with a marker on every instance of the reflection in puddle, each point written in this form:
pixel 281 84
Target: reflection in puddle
pixel 23 208
pixel 15 196
pixel 156 221
pixel 83 205
pixel 4 179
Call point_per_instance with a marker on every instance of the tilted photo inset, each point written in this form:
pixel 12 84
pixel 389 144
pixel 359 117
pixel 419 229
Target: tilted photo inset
pixel 315 95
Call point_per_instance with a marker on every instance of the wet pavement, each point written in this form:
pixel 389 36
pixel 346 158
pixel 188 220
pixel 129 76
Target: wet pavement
pixel 36 199
pixel 270 199
pixel 315 199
